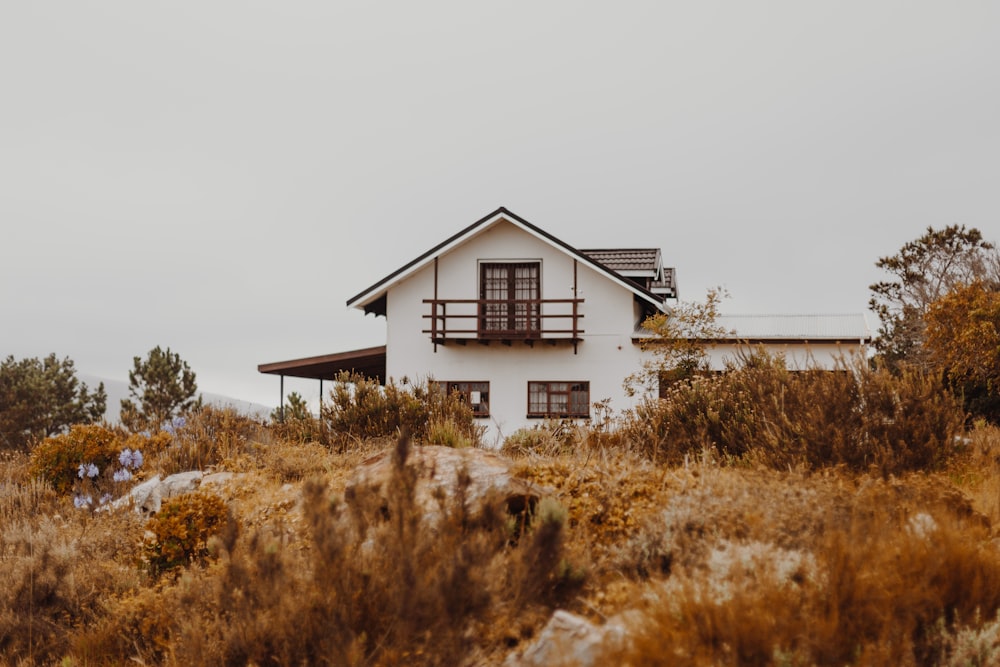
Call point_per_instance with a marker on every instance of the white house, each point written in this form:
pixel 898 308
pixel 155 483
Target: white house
pixel 526 326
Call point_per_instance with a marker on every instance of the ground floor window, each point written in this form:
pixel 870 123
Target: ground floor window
pixel 559 399
pixel 475 394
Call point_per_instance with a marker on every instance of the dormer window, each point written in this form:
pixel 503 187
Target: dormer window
pixel 511 297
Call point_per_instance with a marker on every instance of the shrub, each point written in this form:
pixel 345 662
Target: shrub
pixel 58 459
pixel 548 438
pixel 207 437
pixel 762 411
pixel 447 433
pixel 180 530
pixel 360 408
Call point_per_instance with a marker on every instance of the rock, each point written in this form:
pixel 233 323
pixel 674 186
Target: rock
pixel 143 497
pixel 146 498
pixel 217 479
pixel 438 472
pixel 568 639
pixel 182 482
pixel 922 525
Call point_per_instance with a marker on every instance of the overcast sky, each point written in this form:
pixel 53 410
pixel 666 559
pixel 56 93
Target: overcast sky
pixel 219 177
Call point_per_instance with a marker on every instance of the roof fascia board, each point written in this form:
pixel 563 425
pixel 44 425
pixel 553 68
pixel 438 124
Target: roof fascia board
pixel 411 267
pixel 359 300
pixel 637 273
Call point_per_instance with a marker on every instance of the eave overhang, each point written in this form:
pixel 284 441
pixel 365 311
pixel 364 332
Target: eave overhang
pixel 369 298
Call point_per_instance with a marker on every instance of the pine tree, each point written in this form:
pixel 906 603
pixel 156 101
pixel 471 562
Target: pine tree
pixel 162 387
pixel 43 397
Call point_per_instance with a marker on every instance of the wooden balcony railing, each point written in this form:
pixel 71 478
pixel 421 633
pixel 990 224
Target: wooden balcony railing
pixel 504 320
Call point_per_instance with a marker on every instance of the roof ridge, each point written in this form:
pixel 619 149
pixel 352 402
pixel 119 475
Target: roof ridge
pixel 530 228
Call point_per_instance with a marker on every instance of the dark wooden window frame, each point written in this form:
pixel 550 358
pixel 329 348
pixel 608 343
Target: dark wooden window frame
pixel 512 307
pixel 555 389
pixel 464 389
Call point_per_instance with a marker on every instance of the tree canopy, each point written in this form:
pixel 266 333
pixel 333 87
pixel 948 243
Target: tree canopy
pixel 923 271
pixel 43 397
pixel 162 386
pixel 679 341
pixel 963 341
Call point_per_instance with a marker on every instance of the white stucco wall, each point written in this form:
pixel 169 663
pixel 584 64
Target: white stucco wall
pixel 604 357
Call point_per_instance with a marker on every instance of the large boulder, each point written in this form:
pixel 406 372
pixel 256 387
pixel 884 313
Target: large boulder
pixel 482 479
pixel 568 639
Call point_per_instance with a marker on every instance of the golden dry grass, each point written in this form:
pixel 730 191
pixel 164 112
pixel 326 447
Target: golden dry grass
pixel 715 563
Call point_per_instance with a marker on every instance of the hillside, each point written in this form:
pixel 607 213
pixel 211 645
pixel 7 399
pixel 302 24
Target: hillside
pixel 638 543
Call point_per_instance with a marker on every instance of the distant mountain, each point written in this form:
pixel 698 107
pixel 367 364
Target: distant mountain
pixel 118 390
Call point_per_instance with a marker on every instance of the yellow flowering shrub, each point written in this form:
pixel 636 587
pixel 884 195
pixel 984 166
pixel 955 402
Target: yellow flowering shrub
pixel 182 527
pixel 58 459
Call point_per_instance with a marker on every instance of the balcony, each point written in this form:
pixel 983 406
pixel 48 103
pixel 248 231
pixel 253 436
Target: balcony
pixel 504 320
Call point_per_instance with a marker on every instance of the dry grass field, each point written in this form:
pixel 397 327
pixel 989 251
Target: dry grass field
pixel 740 546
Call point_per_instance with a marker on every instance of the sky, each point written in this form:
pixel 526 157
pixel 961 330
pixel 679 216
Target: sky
pixel 220 177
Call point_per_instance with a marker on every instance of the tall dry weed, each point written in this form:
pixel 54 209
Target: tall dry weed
pixel 208 437
pixel 977 470
pixel 55 575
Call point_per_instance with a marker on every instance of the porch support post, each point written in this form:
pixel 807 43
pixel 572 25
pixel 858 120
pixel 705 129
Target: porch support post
pixel 575 303
pixel 434 309
pixel 322 426
pixel 281 404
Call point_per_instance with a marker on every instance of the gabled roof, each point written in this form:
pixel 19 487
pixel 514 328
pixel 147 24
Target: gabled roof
pixel 666 286
pixel 379 289
pixel 825 328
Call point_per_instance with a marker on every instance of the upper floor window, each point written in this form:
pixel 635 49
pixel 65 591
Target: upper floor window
pixel 559 399
pixel 510 295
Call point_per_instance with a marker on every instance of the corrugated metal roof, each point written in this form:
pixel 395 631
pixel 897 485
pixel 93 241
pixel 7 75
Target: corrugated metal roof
pixel 808 327
pixel 628 259
pixel 804 328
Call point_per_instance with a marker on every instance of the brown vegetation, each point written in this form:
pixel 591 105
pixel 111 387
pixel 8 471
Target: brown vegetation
pixel 814 520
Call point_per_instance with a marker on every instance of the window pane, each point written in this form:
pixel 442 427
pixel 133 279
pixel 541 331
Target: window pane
pixel 466 392
pixel 514 288
pixel 580 399
pixel 537 397
pixel 559 399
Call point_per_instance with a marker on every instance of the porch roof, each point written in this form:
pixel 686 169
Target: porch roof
pixel 369 361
